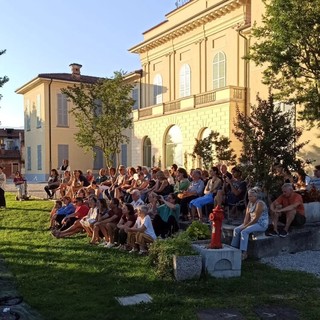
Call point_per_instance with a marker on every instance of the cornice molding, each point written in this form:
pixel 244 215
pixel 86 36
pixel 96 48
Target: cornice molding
pixel 186 27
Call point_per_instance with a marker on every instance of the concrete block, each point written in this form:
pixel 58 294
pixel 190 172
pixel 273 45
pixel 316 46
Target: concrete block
pixel 187 267
pixel 220 263
pixel 312 211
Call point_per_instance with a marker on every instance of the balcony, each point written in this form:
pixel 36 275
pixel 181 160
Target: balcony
pixel 210 98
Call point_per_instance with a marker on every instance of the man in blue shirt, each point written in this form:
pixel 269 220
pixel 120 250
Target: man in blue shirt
pixel 64 211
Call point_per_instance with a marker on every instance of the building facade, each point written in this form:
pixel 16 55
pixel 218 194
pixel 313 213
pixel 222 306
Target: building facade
pixel 12 151
pixel 194 79
pixel 49 126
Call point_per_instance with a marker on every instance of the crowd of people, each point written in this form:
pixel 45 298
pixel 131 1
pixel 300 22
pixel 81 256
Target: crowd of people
pixel 128 208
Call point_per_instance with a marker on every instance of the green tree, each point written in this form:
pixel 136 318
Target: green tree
pixel 268 136
pixel 102 112
pixel 288 44
pixel 203 149
pixel 4 79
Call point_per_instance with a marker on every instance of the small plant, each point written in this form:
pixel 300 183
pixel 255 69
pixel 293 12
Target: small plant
pixel 161 253
pixel 198 231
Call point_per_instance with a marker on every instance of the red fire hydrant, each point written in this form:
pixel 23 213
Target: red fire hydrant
pixel 216 216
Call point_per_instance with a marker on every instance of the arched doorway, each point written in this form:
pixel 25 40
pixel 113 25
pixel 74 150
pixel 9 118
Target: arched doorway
pixel 173 146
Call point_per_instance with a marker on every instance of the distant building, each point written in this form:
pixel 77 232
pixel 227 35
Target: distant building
pixel 12 150
pixel 49 127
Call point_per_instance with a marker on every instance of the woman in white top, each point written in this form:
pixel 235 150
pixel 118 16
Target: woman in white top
pixel 142 232
pixel 2 189
pixel 90 219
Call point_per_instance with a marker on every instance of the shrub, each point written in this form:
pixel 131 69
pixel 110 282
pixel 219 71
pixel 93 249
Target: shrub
pixel 161 253
pixel 198 231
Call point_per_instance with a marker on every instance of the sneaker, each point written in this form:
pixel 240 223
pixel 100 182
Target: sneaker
pixel 109 245
pixel 272 234
pixel 142 252
pixel 117 247
pixel 283 233
pixel 103 244
pixel 133 251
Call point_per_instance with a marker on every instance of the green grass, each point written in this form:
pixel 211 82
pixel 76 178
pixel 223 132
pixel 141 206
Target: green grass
pixel 69 279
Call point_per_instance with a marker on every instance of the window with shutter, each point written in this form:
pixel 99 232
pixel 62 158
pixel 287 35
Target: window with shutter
pixel 62 110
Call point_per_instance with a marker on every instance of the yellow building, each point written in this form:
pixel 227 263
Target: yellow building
pixel 193 79
pixel 49 127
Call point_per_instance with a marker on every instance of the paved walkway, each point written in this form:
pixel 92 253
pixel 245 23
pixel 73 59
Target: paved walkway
pixel 35 190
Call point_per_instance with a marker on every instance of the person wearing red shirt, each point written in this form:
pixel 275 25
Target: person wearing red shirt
pixel 71 223
pixel 289 209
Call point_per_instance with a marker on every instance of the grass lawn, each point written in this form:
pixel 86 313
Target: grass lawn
pixel 69 279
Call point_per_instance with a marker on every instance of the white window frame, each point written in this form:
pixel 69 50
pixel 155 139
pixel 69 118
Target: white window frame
pixel 185 81
pixel 218 76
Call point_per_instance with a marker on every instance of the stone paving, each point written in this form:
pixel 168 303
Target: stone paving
pixel 35 190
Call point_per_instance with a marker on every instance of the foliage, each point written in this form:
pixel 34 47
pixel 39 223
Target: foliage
pixel 90 277
pixel 288 44
pixel 268 137
pixel 203 148
pixel 161 253
pixel 198 231
pixel 4 79
pixel 102 111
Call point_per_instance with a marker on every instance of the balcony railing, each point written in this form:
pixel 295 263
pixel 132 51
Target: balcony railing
pixel 200 100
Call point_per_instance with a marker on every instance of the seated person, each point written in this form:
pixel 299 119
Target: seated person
pixel 119 181
pixel 256 219
pixel 127 220
pixel 64 211
pixel 56 207
pixel 65 183
pixel 162 187
pixel 103 214
pixel 165 222
pixel 120 191
pixel 80 212
pixel 89 176
pixel 287 208
pixel 224 172
pixel 108 226
pixel 233 190
pixel 302 180
pixel 136 199
pixel 90 219
pixel 74 221
pixel 21 185
pixel 315 181
pixel 53 183
pixel 142 232
pixel 212 187
pixel 182 182
pixel 194 191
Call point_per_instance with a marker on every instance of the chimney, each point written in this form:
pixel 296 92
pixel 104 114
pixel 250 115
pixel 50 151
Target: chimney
pixel 75 70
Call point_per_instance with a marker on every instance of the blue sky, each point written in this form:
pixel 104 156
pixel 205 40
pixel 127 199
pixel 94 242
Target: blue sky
pixel 46 36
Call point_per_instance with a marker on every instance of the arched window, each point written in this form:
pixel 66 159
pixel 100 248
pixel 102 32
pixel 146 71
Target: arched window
pixel 157 89
pixel 173 146
pixel 185 81
pixel 147 152
pixel 219 70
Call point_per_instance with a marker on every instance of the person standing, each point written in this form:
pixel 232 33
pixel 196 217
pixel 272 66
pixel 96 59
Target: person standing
pixel 2 189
